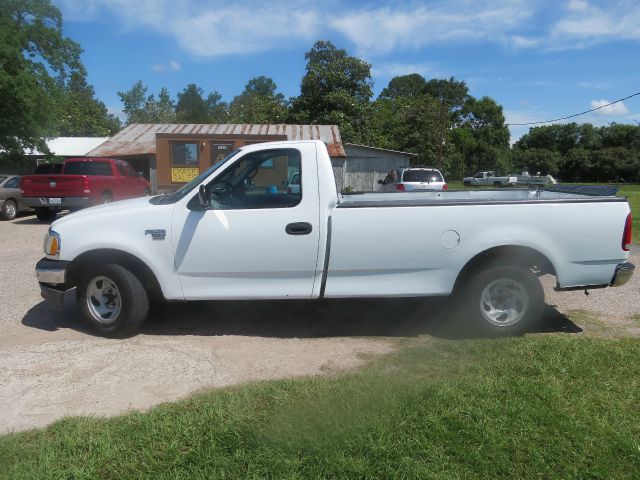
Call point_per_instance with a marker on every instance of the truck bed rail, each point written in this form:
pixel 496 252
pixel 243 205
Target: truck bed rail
pixel 591 190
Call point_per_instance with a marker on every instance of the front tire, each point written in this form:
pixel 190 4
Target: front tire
pixel 9 209
pixel 46 214
pixel 112 301
pixel 503 301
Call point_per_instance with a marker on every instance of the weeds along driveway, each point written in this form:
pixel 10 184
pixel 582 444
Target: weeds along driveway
pixel 53 368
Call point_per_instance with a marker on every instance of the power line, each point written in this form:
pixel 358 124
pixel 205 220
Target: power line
pixel 574 115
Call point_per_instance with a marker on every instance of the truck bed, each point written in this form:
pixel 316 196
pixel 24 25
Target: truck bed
pixel 573 194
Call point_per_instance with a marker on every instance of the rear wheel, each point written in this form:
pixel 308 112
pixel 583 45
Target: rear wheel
pixel 106 198
pixel 9 209
pixel 497 184
pixel 112 301
pixel 503 301
pixel 46 214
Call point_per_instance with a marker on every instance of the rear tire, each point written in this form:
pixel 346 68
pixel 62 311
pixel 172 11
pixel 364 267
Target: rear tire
pixel 46 214
pixel 112 301
pixel 9 209
pixel 502 301
pixel 497 184
pixel 106 198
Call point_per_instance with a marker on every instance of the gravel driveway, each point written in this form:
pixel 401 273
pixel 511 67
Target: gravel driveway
pixel 52 367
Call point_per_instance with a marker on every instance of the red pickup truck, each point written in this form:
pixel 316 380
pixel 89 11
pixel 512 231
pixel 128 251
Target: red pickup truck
pixel 83 182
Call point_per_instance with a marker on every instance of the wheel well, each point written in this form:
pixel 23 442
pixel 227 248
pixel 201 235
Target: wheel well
pixel 107 192
pixel 507 255
pixel 124 259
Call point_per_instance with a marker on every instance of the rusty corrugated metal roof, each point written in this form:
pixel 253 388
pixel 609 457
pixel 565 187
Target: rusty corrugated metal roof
pixel 140 139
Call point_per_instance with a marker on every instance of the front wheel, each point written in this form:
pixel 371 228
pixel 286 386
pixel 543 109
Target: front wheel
pixel 112 301
pixel 503 301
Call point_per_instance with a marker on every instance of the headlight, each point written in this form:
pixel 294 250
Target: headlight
pixel 52 244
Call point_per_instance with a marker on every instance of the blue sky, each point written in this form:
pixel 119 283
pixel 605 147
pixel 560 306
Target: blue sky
pixel 540 59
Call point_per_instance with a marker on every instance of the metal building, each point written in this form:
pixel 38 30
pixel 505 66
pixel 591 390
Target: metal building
pixel 364 166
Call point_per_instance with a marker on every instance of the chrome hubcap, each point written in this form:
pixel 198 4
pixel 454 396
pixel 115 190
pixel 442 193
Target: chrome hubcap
pixel 504 302
pixel 103 299
pixel 11 209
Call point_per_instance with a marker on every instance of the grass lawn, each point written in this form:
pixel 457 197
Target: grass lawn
pixel 541 406
pixel 632 192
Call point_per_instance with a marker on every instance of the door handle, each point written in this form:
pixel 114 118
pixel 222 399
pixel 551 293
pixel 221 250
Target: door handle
pixel 299 228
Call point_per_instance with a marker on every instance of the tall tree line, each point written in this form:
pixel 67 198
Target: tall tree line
pixel 437 119
pixel 581 152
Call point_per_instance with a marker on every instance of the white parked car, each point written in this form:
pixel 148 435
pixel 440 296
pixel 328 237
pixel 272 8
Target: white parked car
pixel 224 237
pixel 410 179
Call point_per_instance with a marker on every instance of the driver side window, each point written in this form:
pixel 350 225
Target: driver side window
pixel 264 179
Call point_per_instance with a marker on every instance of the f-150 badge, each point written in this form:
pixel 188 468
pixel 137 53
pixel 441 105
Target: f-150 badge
pixel 156 234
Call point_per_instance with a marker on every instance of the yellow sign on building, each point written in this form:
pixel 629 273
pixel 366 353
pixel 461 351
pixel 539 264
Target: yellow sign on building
pixel 184 175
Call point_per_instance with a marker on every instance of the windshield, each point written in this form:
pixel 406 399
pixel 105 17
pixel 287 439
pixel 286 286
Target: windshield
pixel 421 176
pixel 187 187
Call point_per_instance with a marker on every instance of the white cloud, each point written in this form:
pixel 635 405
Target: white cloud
pixel 392 69
pixel 171 66
pixel 385 29
pixel 591 23
pixel 611 110
pixel 211 28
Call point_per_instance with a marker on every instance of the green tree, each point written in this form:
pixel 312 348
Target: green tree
pixel 218 110
pixel 259 103
pixel 134 103
pixel 404 86
pixel 191 107
pixel 81 114
pixel 484 120
pixel 35 62
pixel 336 89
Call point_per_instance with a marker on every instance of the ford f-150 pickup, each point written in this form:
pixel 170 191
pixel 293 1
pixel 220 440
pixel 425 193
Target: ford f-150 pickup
pixel 82 182
pixel 238 232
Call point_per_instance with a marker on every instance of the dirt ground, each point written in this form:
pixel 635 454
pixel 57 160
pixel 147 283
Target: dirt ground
pixel 52 367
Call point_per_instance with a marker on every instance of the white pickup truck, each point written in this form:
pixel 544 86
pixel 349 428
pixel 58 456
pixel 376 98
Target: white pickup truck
pixel 489 178
pixel 238 232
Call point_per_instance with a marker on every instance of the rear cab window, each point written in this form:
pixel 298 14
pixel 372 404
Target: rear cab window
pixel 422 176
pixel 96 168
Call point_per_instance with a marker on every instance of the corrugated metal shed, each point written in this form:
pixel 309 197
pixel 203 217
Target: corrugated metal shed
pixel 140 139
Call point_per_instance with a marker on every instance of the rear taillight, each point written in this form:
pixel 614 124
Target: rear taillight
pixel 626 235
pixel 400 187
pixel 445 187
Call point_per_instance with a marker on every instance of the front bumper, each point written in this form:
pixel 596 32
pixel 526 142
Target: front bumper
pixel 52 276
pixel 64 202
pixel 622 274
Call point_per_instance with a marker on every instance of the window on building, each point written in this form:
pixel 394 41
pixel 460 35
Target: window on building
pixel 184 154
pixel 219 150
pixel 247 185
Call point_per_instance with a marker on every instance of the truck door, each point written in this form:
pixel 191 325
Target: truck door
pixel 257 238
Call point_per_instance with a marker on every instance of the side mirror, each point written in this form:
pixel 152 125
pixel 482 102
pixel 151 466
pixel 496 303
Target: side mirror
pixel 203 196
pixel 380 182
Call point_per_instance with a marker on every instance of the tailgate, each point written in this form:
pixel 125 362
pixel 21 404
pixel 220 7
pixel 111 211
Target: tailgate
pixel 53 185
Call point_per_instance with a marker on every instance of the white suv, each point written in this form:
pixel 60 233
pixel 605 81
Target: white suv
pixel 409 179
